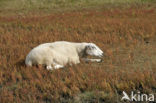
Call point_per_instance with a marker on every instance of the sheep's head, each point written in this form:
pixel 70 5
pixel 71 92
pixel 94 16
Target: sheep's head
pixel 93 50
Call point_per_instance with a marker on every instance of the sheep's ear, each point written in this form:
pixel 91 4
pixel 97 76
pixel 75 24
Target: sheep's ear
pixel 87 46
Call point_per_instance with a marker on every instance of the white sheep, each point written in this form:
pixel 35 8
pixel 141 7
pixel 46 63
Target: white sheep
pixel 60 53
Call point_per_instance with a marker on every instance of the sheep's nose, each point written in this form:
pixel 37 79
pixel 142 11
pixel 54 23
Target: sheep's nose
pixel 102 54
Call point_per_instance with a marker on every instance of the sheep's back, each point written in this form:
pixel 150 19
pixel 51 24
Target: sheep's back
pixel 39 55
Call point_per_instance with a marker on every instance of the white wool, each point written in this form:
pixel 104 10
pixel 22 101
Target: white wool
pixel 60 53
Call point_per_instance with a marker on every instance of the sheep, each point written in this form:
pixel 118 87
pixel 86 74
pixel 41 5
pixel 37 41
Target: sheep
pixel 57 54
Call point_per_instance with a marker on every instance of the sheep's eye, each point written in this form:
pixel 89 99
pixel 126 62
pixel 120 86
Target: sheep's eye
pixel 93 47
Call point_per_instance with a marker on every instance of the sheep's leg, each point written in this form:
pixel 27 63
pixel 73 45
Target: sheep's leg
pixel 74 60
pixel 92 60
pixel 58 66
pixel 49 67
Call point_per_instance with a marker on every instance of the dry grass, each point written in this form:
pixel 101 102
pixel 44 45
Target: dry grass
pixel 127 36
